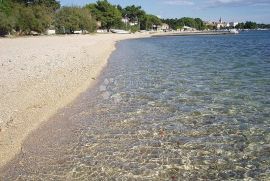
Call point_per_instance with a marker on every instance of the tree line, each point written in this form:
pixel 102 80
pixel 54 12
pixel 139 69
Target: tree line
pixel 23 17
pixel 252 25
pixel 176 23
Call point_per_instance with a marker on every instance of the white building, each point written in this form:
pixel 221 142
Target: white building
pixel 126 21
pixel 233 24
pixel 187 28
pixel 165 27
pixel 221 24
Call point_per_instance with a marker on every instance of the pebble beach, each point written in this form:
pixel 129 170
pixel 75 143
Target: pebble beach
pixel 40 75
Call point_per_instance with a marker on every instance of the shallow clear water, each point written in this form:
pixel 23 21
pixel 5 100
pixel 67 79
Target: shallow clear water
pixel 167 108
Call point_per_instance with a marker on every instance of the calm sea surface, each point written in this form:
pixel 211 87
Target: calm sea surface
pixel 166 108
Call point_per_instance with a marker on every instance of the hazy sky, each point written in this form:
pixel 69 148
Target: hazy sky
pixel 229 10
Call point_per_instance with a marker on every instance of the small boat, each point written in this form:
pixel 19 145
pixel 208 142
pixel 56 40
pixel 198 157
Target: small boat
pixel 234 31
pixel 120 31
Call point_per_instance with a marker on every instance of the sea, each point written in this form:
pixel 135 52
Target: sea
pixel 165 108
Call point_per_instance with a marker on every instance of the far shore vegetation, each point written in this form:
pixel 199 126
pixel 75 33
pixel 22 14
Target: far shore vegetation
pixel 26 17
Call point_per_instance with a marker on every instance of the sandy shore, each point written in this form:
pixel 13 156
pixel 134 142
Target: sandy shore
pixel 40 75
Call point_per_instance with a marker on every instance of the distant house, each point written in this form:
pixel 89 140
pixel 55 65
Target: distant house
pixel 210 23
pixel 220 24
pixel 160 28
pixel 165 27
pixel 155 27
pixel 131 23
pixel 187 28
pixel 125 20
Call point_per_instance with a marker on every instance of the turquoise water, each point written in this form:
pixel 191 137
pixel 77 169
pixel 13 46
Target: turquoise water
pixel 166 108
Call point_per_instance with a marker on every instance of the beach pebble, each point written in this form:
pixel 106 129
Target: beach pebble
pixel 106 95
pixel 106 82
pixel 102 88
pixel 111 80
pixel 151 103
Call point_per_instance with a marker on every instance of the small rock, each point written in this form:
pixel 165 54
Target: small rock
pixel 106 95
pixel 162 133
pixel 155 144
pixel 265 149
pixel 151 103
pixel 106 82
pixel 102 88
pixel 111 80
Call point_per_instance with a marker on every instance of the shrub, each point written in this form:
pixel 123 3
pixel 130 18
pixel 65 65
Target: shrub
pixel 70 19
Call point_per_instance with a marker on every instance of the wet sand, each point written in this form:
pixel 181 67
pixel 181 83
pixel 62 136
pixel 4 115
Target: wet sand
pixel 40 75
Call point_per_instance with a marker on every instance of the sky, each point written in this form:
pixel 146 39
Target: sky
pixel 208 10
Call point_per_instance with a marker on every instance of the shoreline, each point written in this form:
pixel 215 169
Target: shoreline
pixel 39 77
pixel 195 33
pixel 32 99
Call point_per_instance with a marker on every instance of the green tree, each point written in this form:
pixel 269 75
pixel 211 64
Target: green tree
pixel 87 22
pixel 186 21
pixel 6 7
pixel 240 26
pixel 52 4
pixel 36 18
pixel 26 20
pixel 263 26
pixel 17 16
pixel 250 25
pixel 133 13
pixel 6 22
pixel 119 7
pixel 247 25
pixel 149 21
pixel 108 14
pixel 70 19
pixel 199 24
